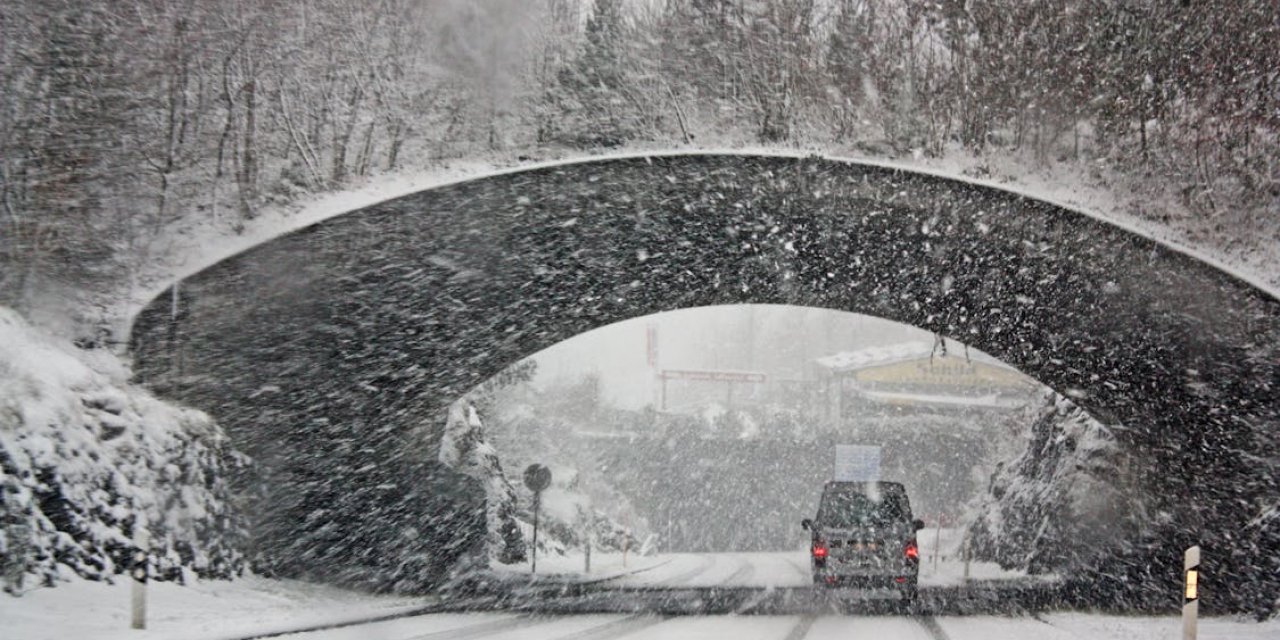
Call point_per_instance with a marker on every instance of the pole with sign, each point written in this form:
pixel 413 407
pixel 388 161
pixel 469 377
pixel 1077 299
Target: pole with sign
pixel 537 478
pixel 1190 592
pixel 937 543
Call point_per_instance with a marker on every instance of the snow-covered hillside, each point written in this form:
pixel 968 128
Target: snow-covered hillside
pixel 86 459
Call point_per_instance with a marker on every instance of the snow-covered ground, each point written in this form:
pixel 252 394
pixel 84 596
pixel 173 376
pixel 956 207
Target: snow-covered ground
pixel 1077 626
pixel 202 610
pixel 255 606
pixel 503 626
pixel 571 567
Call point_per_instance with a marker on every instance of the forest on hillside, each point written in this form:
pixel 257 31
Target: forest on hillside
pixel 121 118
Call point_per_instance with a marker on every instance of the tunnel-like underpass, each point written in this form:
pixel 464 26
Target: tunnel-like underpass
pixel 331 354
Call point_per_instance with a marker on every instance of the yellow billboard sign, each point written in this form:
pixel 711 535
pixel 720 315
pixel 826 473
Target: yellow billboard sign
pixel 943 372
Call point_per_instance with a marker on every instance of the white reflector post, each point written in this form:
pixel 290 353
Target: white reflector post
pixel 142 542
pixel 1190 592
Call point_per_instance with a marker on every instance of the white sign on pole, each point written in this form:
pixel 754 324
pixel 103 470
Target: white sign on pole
pixel 857 463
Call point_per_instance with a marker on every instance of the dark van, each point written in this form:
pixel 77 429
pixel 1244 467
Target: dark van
pixel 864 536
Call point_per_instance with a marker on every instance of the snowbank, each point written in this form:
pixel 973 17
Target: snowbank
pixel 200 610
pixel 87 458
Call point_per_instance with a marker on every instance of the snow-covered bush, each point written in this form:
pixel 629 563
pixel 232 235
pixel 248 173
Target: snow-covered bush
pixel 87 458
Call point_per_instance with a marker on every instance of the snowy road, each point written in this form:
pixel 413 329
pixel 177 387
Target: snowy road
pixel 259 608
pixel 772 583
pixel 780 569
pixel 498 626
pixel 722 569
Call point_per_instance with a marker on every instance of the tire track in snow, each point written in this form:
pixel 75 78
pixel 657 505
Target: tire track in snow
pixel 615 628
pixel 681 579
pixel 740 576
pixel 802 627
pixel 806 572
pixel 931 625
pixel 482 629
pixel 624 575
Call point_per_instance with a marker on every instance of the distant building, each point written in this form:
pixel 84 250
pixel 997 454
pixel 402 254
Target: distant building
pixel 916 377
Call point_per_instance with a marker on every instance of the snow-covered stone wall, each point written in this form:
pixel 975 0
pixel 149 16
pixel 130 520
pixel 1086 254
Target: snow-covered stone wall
pixel 86 459
pixel 1072 503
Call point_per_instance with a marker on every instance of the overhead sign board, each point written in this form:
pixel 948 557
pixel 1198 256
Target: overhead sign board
pixel 857 463
pixel 713 376
pixel 943 372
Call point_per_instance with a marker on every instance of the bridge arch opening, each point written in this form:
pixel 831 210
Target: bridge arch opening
pixel 332 353
pixel 712 431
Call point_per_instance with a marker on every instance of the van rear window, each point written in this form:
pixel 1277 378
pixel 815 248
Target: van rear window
pixel 854 509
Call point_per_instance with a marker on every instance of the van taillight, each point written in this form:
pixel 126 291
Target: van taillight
pixel 819 550
pixel 911 551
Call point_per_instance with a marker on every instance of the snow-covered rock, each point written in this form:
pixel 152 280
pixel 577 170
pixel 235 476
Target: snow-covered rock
pixel 86 459
pixel 1062 501
pixel 464 449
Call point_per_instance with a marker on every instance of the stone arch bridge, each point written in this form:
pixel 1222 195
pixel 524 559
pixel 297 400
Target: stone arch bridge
pixel 330 354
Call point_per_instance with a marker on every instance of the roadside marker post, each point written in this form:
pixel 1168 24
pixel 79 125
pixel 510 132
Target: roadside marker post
pixel 584 520
pixel 1190 592
pixel 937 542
pixel 537 504
pixel 142 543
